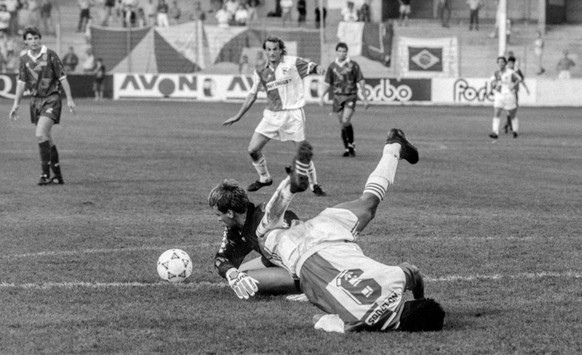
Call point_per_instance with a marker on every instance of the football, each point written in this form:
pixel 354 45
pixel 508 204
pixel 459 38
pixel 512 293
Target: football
pixel 174 265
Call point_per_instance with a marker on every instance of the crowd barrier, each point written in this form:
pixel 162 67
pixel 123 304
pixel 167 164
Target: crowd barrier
pixel 380 91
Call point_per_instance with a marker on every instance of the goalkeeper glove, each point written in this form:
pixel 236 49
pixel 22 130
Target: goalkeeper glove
pixel 243 285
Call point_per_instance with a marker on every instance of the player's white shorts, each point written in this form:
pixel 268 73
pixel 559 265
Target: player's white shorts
pixel 405 9
pixel 506 101
pixel 289 248
pixel 286 125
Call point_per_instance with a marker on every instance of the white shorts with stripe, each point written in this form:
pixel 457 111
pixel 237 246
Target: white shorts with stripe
pixel 286 125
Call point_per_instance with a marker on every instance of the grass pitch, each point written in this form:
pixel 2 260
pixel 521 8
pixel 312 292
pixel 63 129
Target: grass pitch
pixel 494 226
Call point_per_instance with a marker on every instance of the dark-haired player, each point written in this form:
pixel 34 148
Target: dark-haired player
pixel 504 83
pixel 355 291
pixel 284 118
pixel 241 217
pixel 42 73
pixel 343 76
pixel 513 124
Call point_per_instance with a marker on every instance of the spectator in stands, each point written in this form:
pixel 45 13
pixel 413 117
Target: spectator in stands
pixel 474 7
pixel 364 13
pixel 198 14
pixel 223 17
pixel 46 9
pixel 318 18
pixel 286 9
pixel 70 60
pixel 174 13
pixel 564 65
pixel 109 5
pixel 349 12
pixel 89 63
pixel 23 16
pixel 445 12
pixel 129 12
pixel 4 19
pixel 498 14
pixel 141 18
pixel 150 13
pixel 252 9
pixel 12 7
pixel 34 8
pixel 539 51
pixel 404 12
pixel 241 16
pixel 231 6
pixel 98 84
pixel 302 11
pixel 84 14
pixel 163 8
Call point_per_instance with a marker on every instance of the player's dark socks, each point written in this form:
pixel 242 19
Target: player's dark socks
pixel 345 137
pixel 350 133
pixel 45 157
pixel 55 165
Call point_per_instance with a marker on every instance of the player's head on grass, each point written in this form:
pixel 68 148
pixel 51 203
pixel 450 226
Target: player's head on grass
pixel 229 202
pixel 423 315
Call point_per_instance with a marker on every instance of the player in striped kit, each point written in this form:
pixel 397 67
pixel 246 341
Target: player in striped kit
pixel 344 76
pixel 504 83
pixel 356 292
pixel 284 117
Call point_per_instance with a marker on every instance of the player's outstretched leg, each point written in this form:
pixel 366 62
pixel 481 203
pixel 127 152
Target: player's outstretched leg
pixel 299 169
pixel 408 151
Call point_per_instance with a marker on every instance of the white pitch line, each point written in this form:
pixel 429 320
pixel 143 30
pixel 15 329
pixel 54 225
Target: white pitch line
pixel 196 285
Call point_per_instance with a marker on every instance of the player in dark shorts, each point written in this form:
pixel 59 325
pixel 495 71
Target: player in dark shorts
pixel 343 77
pixel 41 72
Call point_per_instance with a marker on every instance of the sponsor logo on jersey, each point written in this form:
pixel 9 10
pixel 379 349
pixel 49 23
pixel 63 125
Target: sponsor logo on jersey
pixel 382 308
pixel 277 84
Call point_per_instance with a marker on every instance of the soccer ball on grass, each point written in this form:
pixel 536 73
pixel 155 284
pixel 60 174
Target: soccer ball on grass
pixel 174 265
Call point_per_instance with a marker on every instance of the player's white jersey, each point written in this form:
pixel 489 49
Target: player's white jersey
pixel 284 84
pixel 504 80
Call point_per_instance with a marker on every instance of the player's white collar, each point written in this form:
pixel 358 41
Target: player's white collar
pixel 43 50
pixel 344 62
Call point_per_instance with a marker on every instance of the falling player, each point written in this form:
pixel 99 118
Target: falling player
pixel 284 118
pixel 504 83
pixel 344 76
pixel 42 72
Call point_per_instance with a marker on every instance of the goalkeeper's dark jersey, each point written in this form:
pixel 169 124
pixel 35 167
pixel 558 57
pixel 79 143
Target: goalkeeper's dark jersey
pixel 237 243
pixel 41 74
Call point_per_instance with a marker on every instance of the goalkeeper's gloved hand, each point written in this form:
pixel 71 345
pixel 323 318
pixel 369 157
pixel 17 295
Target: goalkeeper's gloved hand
pixel 244 285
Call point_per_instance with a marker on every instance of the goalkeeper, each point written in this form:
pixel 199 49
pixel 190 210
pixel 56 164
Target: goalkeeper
pixel 241 217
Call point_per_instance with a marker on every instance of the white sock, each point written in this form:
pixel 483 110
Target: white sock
pixel 261 168
pixel 383 176
pixel 276 207
pixel 515 124
pixel 496 122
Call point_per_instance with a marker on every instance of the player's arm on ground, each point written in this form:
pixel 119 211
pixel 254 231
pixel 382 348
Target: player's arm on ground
pixel 248 103
pixel 414 280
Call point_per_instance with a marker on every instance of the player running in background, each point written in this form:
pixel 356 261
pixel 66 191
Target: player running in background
pixel 241 217
pixel 344 76
pixel 42 73
pixel 504 83
pixel 356 292
pixel 511 64
pixel 284 118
